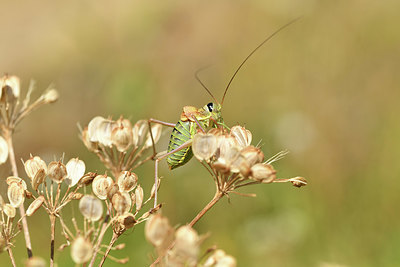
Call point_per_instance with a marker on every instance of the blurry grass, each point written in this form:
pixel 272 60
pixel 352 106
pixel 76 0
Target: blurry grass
pixel 336 69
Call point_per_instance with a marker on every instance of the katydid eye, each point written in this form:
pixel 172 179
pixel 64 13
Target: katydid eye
pixel 210 107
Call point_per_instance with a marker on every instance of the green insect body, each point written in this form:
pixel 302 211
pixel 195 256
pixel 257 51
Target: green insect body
pixel 207 117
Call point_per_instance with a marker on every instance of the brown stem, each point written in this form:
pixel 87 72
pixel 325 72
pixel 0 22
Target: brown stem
pixel 100 239
pixel 113 239
pixel 10 254
pixel 53 230
pixel 11 157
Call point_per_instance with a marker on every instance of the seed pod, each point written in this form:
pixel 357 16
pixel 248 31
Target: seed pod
pixel 50 96
pixel 139 197
pixel 204 146
pixel 57 171
pixel 81 250
pixel 91 208
pixel 153 191
pixel 227 154
pixel 3 150
pixel 101 186
pixel 139 132
pixel 38 179
pixel 91 146
pixel 33 165
pixel 298 181
pixel 242 135
pixel 87 179
pixel 156 130
pixel 121 202
pixel 158 230
pixel 127 220
pixel 187 243
pixel 16 194
pixel 122 135
pixel 93 128
pixel 104 131
pixel 35 262
pixel 9 88
pixel 9 210
pixel 34 206
pixel 127 181
pixel 14 179
pixel 220 259
pixel 114 189
pixel 75 169
pixel 77 196
pixel 264 173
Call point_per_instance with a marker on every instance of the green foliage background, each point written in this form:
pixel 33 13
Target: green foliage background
pixel 326 88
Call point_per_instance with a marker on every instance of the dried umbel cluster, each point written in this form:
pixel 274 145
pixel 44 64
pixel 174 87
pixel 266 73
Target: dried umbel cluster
pixel 7 226
pixel 118 144
pixel 181 247
pixel 233 162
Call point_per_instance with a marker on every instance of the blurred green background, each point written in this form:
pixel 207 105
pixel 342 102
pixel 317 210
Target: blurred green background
pixel 326 88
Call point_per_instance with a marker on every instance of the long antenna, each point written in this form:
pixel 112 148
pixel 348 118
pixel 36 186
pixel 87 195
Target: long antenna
pixel 196 74
pixel 252 52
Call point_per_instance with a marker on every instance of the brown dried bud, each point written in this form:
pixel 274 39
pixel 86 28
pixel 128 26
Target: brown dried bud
pixel 34 206
pixel 28 194
pixel 9 210
pixel 156 130
pixel 139 132
pixel 81 250
pixel 158 231
pixel 91 208
pixel 88 178
pixel 121 202
pixel 76 170
pixel 101 186
pixel 50 96
pixel 33 165
pixel 298 181
pixel 264 173
pixel 122 135
pixel 242 135
pixel 139 197
pixel 3 150
pixel 57 171
pixel 9 88
pixel 127 220
pixel 204 146
pixel 127 181
pixel 16 193
pixel 35 262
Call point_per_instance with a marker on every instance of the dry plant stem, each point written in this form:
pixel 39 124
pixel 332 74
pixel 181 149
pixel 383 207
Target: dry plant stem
pixel 10 254
pixel 11 157
pixel 53 230
pixel 113 239
pixel 103 230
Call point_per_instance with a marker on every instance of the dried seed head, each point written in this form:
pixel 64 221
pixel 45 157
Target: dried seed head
pixel 33 165
pixel 34 206
pixel 81 250
pixel 57 171
pixel 204 146
pixel 127 181
pixel 91 146
pixel 158 231
pixel 253 155
pixel 16 194
pixel 220 259
pixel 3 150
pixel 35 262
pixel 139 132
pixel 264 173
pixel 101 186
pixel 38 179
pixel 187 243
pixel 75 169
pixel 104 131
pixel 242 135
pixel 227 155
pixel 122 135
pixel 50 96
pixel 91 208
pixel 139 197
pixel 127 220
pixel 298 181
pixel 9 88
pixel 93 128
pixel 121 202
pixel 9 210
pixel 156 130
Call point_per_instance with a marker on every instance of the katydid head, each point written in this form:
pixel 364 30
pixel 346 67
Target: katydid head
pixel 213 110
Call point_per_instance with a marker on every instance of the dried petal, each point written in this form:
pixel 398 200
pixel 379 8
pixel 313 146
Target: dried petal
pixel 156 130
pixel 3 150
pixel 122 135
pixel 57 171
pixel 16 194
pixel 34 206
pixel 127 181
pixel 242 135
pixel 91 208
pixel 264 173
pixel 76 170
pixel 9 210
pixel 139 197
pixel 121 202
pixel 158 231
pixel 101 186
pixel 81 250
pixel 204 146
pixel 33 165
